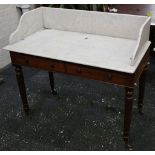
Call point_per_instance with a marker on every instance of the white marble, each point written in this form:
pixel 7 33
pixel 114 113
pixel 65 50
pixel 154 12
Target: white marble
pixel 30 22
pixel 105 40
pixel 87 49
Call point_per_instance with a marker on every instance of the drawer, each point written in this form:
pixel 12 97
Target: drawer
pixel 89 72
pixel 104 75
pixel 37 62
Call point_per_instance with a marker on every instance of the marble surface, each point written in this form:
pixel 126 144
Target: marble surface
pixel 87 49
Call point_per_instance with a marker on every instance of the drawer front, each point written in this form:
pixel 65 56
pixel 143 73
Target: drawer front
pixel 97 74
pixel 89 72
pixel 37 62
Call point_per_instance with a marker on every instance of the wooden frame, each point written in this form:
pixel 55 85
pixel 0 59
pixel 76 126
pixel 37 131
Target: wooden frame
pixel 126 80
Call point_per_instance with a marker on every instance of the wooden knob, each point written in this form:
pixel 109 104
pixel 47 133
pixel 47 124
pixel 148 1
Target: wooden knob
pixel 27 61
pixel 109 76
pixel 52 66
pixel 79 70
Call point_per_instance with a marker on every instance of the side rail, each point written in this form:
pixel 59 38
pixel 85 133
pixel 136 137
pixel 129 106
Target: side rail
pixel 143 43
pixel 29 23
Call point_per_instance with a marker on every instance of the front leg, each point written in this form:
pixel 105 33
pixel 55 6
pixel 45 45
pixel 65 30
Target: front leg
pixel 142 89
pixel 21 85
pixel 128 113
pixel 51 77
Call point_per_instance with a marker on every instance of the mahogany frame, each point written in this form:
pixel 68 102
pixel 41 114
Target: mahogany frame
pixel 126 80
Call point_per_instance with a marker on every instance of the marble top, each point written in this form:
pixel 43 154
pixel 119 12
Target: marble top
pixel 87 49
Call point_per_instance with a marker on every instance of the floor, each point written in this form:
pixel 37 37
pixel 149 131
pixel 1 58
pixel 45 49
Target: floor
pixel 85 115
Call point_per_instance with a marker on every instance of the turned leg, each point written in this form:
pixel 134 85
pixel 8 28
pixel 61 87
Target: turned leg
pixel 128 112
pixel 21 85
pixel 51 77
pixel 141 90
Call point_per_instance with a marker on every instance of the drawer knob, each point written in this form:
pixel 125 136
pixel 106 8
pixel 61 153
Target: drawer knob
pixel 79 70
pixel 52 66
pixel 27 61
pixel 109 76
